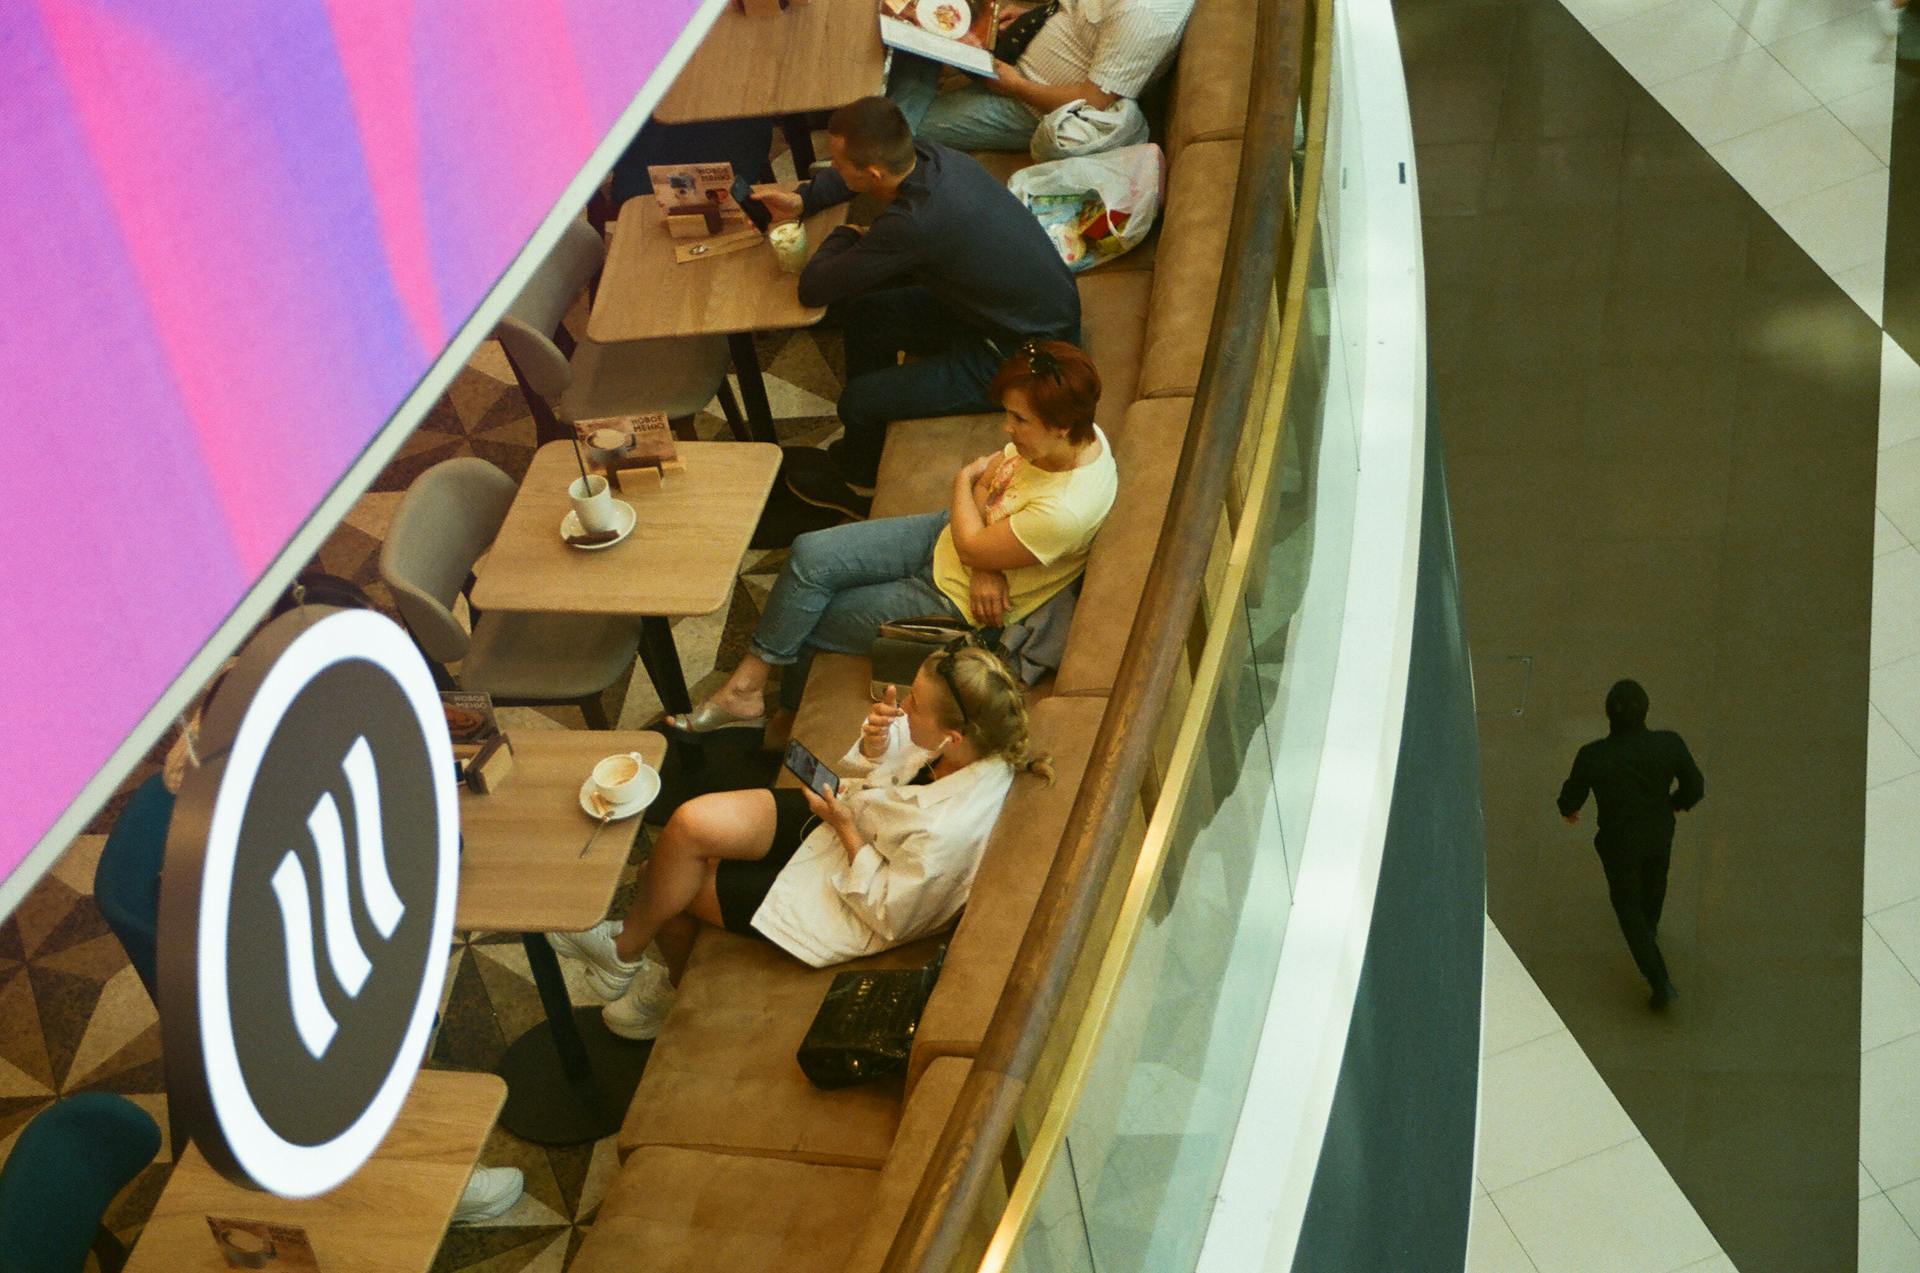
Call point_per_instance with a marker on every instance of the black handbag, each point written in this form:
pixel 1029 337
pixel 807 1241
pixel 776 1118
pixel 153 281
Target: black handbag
pixel 1012 41
pixel 865 1025
pixel 901 646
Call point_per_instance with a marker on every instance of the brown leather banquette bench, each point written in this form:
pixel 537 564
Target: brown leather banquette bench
pixel 731 1160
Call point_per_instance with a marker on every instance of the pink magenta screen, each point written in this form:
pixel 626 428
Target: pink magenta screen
pixel 236 235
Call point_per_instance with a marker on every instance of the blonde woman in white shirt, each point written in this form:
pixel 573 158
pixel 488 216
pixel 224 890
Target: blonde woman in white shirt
pixel 888 859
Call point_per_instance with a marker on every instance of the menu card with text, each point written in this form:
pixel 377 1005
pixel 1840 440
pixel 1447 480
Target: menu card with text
pixel 697 199
pixel 470 718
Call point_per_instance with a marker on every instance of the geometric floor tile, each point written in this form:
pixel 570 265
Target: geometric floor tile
pixel 75 1016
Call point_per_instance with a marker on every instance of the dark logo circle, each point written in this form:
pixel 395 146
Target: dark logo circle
pixel 332 911
pixel 323 904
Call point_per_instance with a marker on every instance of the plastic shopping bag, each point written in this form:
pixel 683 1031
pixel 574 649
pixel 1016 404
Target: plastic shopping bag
pixel 1097 206
pixel 1078 129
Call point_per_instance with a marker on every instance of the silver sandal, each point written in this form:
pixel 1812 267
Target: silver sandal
pixel 708 718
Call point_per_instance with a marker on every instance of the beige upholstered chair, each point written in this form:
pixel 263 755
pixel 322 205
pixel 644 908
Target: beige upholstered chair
pixel 446 520
pixel 563 383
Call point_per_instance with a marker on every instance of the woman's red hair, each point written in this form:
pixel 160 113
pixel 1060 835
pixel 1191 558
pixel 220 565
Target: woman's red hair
pixel 1063 392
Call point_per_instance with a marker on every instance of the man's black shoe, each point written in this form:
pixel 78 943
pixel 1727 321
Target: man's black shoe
pixel 820 484
pixel 1663 994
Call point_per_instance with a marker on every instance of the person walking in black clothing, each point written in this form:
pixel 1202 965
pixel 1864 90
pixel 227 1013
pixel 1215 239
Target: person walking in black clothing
pixel 1640 778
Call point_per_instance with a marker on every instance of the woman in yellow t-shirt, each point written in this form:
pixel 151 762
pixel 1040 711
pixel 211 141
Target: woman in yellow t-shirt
pixel 1016 532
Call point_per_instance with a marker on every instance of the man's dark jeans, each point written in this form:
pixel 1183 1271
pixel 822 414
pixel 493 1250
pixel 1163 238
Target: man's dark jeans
pixel 952 366
pixel 1636 867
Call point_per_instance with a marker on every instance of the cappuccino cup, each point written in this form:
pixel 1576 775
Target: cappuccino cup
pixel 622 779
pixel 593 504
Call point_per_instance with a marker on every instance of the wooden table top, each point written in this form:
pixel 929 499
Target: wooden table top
pixel 688 540
pixel 389 1217
pixel 521 870
pixel 645 294
pixel 813 58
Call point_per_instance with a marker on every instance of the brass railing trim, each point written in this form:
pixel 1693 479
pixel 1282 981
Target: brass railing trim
pixel 964 1163
pixel 1150 864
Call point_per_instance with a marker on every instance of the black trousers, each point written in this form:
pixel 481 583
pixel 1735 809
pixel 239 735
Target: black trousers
pixel 1636 867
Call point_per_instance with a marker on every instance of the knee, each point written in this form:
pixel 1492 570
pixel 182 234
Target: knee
pixel 693 827
pixel 809 555
pixel 861 403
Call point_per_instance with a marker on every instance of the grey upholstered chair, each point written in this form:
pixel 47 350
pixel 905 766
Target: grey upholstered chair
pixel 562 383
pixel 444 523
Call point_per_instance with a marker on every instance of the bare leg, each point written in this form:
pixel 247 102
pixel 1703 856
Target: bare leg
pixel 735 825
pixel 676 938
pixel 779 728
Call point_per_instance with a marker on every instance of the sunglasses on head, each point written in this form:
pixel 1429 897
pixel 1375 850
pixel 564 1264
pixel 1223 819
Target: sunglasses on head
pixel 944 667
pixel 1041 362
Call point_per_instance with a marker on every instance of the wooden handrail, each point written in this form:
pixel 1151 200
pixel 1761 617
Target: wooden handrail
pixel 967 1155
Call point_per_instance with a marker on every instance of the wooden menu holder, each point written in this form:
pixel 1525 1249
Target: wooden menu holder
pixel 694 223
pixel 639 444
pixel 488 771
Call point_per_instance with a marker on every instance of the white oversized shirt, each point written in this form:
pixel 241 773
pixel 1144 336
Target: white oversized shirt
pixel 1121 45
pixel 922 847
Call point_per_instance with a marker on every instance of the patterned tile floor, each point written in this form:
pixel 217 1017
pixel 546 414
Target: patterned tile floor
pixel 74 1015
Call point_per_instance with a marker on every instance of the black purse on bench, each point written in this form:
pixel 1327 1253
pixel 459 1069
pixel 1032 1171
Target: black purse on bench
pixel 1012 41
pixel 902 645
pixel 865 1025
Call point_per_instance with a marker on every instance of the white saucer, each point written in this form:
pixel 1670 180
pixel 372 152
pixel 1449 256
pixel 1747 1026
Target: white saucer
pixel 620 812
pixel 570 525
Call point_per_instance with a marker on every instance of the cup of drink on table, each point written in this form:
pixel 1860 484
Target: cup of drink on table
pixel 623 779
pixel 593 505
pixel 789 239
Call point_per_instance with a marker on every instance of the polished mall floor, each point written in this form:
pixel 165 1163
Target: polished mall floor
pixel 1658 264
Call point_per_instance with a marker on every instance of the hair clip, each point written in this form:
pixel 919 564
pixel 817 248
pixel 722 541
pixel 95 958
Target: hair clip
pixel 1041 362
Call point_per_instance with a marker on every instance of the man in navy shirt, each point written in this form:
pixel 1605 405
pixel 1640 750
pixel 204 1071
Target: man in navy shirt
pixel 952 271
pixel 1640 778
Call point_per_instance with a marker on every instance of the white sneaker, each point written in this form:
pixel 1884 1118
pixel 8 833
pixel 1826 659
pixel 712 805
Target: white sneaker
pixel 607 973
pixel 490 1192
pixel 642 1010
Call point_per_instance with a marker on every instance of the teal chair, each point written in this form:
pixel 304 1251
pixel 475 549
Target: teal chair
pixel 126 883
pixel 65 1170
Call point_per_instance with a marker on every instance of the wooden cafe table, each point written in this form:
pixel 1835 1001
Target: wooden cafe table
pixel 689 537
pixel 645 294
pixel 388 1217
pixel 532 862
pixel 813 57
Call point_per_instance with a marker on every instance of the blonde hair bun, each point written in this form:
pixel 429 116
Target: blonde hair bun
pixel 995 708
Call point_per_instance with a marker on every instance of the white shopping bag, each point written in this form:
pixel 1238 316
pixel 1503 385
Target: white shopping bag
pixel 1078 129
pixel 1096 206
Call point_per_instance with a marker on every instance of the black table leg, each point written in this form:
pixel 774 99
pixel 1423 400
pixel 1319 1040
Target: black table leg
pixel 800 141
pixel 569 1079
pixel 662 660
pixel 753 389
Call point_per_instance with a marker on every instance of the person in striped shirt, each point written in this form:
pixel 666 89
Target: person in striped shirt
pixel 1097 51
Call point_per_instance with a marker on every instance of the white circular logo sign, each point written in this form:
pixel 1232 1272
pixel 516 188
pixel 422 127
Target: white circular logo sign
pixel 307 900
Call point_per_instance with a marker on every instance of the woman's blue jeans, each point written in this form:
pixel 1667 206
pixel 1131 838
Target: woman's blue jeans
pixel 841 584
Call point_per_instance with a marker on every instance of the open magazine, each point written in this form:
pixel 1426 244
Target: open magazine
pixel 955 32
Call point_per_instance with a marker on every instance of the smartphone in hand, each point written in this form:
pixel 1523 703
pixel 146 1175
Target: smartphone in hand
pixel 807 768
